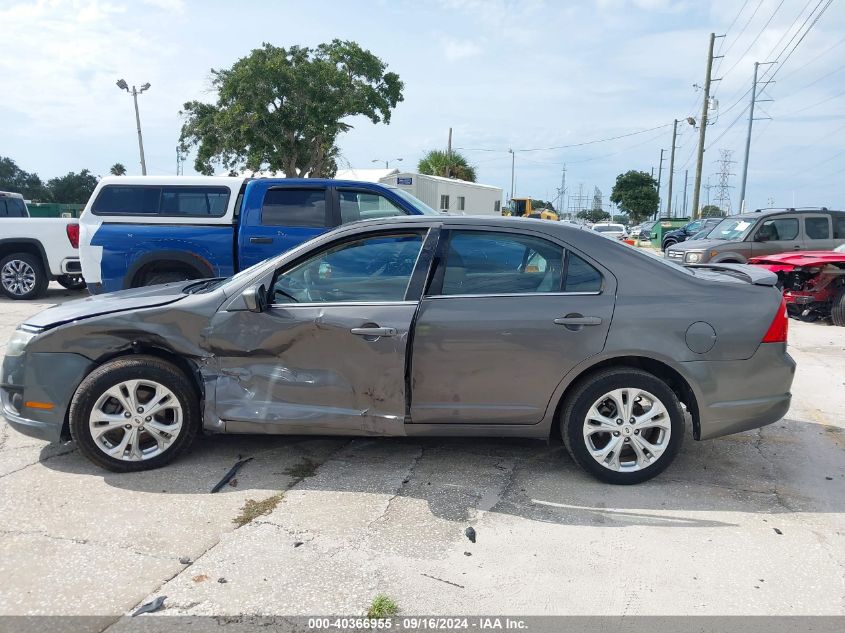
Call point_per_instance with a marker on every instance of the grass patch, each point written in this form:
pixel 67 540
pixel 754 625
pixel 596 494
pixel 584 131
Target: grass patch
pixel 382 607
pixel 305 468
pixel 253 509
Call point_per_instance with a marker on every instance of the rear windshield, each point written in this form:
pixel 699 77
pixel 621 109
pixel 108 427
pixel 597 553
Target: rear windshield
pixel 164 201
pixel 12 207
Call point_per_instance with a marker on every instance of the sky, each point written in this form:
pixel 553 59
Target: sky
pixel 526 75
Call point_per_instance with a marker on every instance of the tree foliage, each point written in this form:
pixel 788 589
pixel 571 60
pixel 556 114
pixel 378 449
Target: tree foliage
pixel 621 219
pixel 73 188
pixel 282 109
pixel 711 211
pixel 13 178
pixel 439 163
pixel 593 215
pixel 118 169
pixel 635 193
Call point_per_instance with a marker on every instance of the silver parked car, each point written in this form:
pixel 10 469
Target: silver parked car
pixel 448 326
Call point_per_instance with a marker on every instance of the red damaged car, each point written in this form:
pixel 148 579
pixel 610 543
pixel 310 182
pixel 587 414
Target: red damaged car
pixel 813 282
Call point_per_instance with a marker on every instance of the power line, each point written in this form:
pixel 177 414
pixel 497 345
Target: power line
pixel 820 55
pixel 818 103
pixel 736 39
pixel 546 149
pixel 754 41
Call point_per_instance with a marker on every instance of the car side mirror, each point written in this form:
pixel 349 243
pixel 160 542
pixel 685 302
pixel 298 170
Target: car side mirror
pixel 255 298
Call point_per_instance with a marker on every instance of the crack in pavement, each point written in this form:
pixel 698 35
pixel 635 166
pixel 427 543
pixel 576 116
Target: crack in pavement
pixel 405 479
pixel 40 461
pixel 81 541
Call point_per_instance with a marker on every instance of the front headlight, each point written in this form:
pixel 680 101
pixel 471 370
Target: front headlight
pixel 692 258
pixel 18 342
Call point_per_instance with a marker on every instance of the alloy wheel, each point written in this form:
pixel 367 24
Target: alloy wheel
pixel 136 420
pixel 18 277
pixel 627 430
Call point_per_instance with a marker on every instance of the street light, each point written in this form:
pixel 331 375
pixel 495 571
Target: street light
pixel 386 162
pixel 121 83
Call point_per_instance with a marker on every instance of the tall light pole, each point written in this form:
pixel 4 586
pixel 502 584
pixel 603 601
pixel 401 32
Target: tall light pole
pixel 386 162
pixel 135 92
pixel 513 168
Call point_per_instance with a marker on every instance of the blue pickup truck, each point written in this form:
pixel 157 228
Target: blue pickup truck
pixel 140 231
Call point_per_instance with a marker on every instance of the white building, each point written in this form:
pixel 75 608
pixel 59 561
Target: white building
pixel 457 197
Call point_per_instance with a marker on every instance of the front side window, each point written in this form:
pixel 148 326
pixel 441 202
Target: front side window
pixel 486 262
pixel 777 230
pixel 374 268
pixel 817 228
pixel 295 207
pixel 365 205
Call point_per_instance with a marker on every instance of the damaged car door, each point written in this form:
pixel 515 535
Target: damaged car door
pixel 328 352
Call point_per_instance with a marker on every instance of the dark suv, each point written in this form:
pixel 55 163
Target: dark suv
pixel 765 232
pixel 687 231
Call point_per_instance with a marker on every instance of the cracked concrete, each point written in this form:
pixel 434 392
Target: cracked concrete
pixel 388 516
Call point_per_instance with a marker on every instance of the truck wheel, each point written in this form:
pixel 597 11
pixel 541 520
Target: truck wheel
pixel 134 413
pixel 71 282
pixel 837 308
pixel 22 276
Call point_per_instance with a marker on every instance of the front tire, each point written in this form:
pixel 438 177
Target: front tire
pixel 22 276
pixel 669 244
pixel 623 426
pixel 134 413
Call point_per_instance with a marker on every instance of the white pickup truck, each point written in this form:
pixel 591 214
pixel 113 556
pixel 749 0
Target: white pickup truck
pixel 35 250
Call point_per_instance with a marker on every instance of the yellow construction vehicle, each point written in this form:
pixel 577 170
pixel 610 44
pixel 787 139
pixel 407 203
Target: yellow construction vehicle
pixel 523 208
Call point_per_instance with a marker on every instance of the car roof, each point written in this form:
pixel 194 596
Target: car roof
pixel 764 212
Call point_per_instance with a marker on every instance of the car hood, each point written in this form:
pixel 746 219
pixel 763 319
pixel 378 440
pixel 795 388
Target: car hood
pixel 805 258
pixel 699 245
pixel 132 299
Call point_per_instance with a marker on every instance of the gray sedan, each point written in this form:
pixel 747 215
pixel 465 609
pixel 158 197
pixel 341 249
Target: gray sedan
pixel 449 326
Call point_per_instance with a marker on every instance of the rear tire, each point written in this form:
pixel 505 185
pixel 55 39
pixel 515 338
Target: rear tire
pixel 22 276
pixel 114 431
pixel 616 450
pixel 837 308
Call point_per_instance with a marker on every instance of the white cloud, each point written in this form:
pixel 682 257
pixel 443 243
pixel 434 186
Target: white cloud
pixel 455 50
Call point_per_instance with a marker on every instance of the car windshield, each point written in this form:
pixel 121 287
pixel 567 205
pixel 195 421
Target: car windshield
pixel 607 228
pixel 733 229
pixel 415 202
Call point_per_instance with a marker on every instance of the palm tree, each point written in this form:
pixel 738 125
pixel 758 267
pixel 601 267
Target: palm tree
pixel 117 170
pixel 439 163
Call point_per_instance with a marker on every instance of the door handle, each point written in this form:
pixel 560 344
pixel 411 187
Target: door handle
pixel 374 331
pixel 577 319
pixel 796 248
pixel 261 240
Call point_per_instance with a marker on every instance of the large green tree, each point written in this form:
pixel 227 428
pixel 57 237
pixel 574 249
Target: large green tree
pixel 446 164
pixel 73 188
pixel 282 109
pixel 593 215
pixel 118 169
pixel 635 193
pixel 13 178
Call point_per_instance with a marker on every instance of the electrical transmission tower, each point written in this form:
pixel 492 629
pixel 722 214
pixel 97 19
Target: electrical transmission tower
pixel 597 199
pixel 723 194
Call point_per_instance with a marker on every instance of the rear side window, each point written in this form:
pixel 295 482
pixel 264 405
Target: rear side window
pixel 294 207
pixel 581 276
pixel 839 227
pixel 486 262
pixel 173 201
pixel 817 228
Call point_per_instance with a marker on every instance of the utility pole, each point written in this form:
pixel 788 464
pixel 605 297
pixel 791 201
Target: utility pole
pixel 135 92
pixel 696 191
pixel 671 169
pixel 748 136
pixel 560 202
pixel 686 180
pixel 449 155
pixel 513 168
pixel 659 178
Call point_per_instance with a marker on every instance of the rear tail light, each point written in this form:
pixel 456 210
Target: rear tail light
pixel 778 329
pixel 73 234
